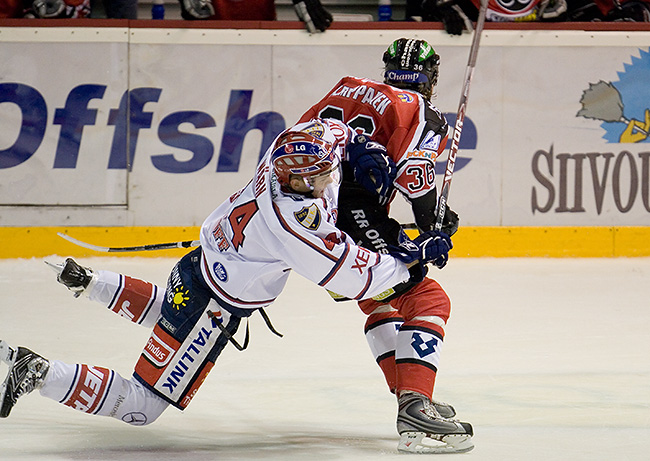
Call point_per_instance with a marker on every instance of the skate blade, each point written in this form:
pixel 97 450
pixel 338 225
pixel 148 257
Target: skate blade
pixel 58 268
pixel 7 353
pixel 420 442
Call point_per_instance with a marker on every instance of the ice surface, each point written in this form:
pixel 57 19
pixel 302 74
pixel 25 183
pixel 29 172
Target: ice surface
pixel 547 358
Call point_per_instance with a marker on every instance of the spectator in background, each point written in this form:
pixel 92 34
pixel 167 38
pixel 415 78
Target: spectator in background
pixel 10 9
pixel 121 9
pixel 456 15
pixel 311 12
pixel 609 10
pixel 45 9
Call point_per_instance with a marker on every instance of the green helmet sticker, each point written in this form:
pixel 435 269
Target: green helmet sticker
pixel 392 49
pixel 426 51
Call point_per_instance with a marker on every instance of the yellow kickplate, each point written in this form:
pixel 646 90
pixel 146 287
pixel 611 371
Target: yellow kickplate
pixel 556 242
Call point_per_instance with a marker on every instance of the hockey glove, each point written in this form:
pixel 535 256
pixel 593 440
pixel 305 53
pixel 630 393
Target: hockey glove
pixel 196 9
pixel 450 222
pixel 428 247
pixel 372 167
pixel 312 13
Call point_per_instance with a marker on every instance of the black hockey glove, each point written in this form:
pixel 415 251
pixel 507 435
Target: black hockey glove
pixel 312 13
pixel 372 167
pixel 450 222
pixel 449 13
pixel 428 247
pixel 196 9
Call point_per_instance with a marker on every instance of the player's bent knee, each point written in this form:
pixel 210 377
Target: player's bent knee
pixel 136 405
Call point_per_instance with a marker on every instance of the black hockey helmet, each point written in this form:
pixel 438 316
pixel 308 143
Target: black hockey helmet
pixel 411 64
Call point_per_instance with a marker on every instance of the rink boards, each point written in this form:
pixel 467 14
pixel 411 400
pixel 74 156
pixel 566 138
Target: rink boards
pixel 144 143
pixel 488 241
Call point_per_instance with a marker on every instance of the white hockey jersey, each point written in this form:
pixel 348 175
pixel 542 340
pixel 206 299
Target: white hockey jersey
pixel 254 239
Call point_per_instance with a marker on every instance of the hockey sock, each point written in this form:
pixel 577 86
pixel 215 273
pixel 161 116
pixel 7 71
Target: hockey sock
pixel 417 356
pixel 100 391
pixel 381 334
pixel 134 299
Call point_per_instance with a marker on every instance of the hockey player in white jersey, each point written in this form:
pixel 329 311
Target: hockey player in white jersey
pixel 282 220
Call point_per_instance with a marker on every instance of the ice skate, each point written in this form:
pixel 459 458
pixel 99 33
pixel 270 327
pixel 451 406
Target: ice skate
pixel 73 276
pixel 444 409
pixel 423 430
pixel 27 371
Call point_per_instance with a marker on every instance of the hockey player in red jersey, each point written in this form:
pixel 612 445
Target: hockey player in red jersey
pixel 282 221
pixel 406 325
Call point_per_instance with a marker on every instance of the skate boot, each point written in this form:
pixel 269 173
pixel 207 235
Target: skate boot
pixel 444 409
pixel 73 276
pixel 423 430
pixel 27 372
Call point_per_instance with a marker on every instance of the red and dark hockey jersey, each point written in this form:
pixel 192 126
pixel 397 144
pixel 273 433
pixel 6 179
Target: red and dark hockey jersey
pixel 412 129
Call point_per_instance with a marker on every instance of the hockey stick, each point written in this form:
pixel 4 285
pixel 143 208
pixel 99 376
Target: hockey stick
pixel 150 247
pixel 460 117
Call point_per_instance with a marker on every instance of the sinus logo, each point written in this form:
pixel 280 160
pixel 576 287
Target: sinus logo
pixel 624 105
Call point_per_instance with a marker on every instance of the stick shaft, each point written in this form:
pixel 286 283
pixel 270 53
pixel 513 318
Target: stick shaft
pixel 460 117
pixel 150 247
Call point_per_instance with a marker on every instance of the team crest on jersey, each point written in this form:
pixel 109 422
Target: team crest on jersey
pixel 309 217
pixel 220 271
pixel 405 97
pixel 316 129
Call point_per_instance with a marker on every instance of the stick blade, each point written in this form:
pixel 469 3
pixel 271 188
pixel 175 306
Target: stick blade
pixel 83 244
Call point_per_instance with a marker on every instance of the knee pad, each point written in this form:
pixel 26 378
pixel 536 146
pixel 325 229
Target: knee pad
pixel 426 299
